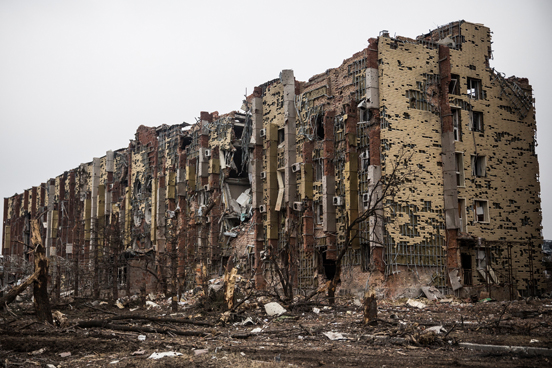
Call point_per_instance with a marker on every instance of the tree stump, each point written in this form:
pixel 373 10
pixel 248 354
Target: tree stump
pixel 40 287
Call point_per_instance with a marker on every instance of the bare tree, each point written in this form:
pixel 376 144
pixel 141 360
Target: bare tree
pixel 383 191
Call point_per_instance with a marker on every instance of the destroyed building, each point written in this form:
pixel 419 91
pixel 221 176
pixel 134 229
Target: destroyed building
pixel 278 183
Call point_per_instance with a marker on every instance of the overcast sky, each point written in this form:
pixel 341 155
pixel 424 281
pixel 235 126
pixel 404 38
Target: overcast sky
pixel 78 77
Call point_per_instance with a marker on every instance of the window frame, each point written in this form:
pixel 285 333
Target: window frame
pixel 457 124
pixel 459 169
pixel 454 85
pixel 474 88
pixel 462 215
pixel 479 166
pixel 476 121
pixel 484 204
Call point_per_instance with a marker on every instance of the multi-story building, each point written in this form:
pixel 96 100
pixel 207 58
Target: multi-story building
pixel 276 188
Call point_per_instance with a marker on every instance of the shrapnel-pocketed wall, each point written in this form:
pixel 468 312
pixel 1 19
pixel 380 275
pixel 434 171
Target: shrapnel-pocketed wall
pixel 414 155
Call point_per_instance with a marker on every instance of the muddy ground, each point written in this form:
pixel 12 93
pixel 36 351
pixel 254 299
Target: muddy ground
pixel 401 338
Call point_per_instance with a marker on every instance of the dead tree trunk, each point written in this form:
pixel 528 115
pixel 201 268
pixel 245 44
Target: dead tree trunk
pixel 174 280
pixel 96 260
pixel 42 302
pixel 370 308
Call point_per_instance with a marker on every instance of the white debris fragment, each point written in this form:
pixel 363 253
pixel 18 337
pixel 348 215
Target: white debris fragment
pixel 274 309
pixel 415 303
pixel 334 336
pixel 437 329
pixel 164 354
pixel 152 304
pixel 142 337
pixel 316 310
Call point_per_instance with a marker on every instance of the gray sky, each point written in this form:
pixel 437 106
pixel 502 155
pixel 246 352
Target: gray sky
pixel 78 77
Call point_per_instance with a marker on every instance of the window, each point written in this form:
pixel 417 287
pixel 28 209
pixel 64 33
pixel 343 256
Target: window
pixel 122 275
pixel 456 124
pixel 365 160
pixel 459 163
pixel 320 127
pixel 479 165
pixel 476 121
pixel 462 214
pixel 474 89
pixel 281 135
pixel 481 211
pixel 319 169
pixel 319 213
pixel 454 85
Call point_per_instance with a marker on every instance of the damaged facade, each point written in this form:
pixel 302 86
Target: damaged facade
pixel 276 184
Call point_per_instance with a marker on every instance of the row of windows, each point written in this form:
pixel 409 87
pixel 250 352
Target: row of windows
pixel 474 87
pixel 478 166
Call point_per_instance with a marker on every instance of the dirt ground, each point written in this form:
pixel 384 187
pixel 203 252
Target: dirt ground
pixel 251 338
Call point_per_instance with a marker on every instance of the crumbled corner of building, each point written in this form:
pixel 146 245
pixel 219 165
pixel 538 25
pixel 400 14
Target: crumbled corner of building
pixel 415 154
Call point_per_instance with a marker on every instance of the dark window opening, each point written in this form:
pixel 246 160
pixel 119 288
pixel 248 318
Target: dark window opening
pixel 477 121
pixel 478 166
pixel 454 85
pixel 236 171
pixel 281 135
pixel 320 127
pixel 329 267
pixel 466 261
pixel 238 131
pixel 185 141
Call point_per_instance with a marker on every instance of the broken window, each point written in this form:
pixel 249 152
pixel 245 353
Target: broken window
pixel 462 214
pixel 481 211
pixel 476 122
pixel 459 168
pixel 236 164
pixel 363 112
pixel 122 275
pixel 281 135
pixel 454 85
pixel 319 169
pixel 474 89
pixel 479 165
pixel 319 213
pixel 456 124
pixel 365 160
pixel 320 127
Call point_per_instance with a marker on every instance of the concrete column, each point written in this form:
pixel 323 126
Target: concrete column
pixel 110 168
pixel 288 80
pixel 450 189
pixel 328 185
